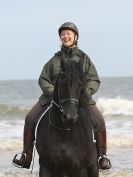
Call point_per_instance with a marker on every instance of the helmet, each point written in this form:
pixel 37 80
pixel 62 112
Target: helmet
pixel 69 25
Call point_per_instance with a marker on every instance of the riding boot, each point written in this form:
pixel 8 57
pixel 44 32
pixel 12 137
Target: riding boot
pixel 103 161
pixel 26 156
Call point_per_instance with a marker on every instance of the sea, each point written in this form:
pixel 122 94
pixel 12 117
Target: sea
pixel 115 100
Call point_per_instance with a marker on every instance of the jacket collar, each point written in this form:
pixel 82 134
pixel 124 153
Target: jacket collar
pixel 69 52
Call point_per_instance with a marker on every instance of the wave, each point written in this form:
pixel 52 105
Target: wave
pixel 108 106
pixel 120 141
pixel 12 110
pixel 115 106
pixel 11 144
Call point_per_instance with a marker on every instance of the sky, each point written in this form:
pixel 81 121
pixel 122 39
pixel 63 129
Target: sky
pixel 29 35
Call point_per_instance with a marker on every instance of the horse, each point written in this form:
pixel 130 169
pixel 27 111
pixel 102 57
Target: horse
pixel 65 134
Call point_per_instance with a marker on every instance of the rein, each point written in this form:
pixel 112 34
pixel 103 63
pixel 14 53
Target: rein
pixel 36 128
pixel 72 101
pixel 39 122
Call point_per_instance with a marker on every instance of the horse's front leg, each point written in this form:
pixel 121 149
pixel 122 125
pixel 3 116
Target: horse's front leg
pixel 93 171
pixel 80 173
pixel 43 172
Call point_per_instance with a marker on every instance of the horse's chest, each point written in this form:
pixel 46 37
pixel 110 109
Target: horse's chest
pixel 65 145
pixel 66 153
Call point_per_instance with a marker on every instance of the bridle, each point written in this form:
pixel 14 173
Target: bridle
pixel 60 107
pixel 67 100
pixel 72 101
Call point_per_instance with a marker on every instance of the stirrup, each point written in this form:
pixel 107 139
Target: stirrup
pixel 103 156
pixel 15 157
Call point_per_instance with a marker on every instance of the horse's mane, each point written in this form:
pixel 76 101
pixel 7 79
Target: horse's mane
pixel 74 73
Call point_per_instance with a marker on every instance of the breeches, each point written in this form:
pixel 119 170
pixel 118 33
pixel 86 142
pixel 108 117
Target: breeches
pixel 97 115
pixel 35 111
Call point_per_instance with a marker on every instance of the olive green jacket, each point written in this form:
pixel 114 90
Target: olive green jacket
pixel 51 69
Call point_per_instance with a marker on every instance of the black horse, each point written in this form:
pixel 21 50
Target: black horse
pixel 65 141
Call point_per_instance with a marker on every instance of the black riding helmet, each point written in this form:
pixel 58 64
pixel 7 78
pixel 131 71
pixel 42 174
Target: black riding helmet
pixel 70 26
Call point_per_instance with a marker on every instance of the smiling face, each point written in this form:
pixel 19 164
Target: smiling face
pixel 68 37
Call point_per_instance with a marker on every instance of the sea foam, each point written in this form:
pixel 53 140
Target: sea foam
pixel 115 106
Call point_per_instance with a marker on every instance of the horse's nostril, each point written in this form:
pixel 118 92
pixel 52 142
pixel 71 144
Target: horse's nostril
pixel 75 119
pixel 67 118
pixel 64 118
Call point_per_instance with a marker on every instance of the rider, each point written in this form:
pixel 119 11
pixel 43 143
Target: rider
pixel 69 34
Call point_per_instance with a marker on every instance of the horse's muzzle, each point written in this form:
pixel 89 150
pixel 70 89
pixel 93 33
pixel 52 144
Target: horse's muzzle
pixel 69 119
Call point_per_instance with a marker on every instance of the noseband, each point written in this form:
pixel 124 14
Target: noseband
pixel 67 100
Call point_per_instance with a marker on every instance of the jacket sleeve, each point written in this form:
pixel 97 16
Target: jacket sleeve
pixel 93 81
pixel 45 79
